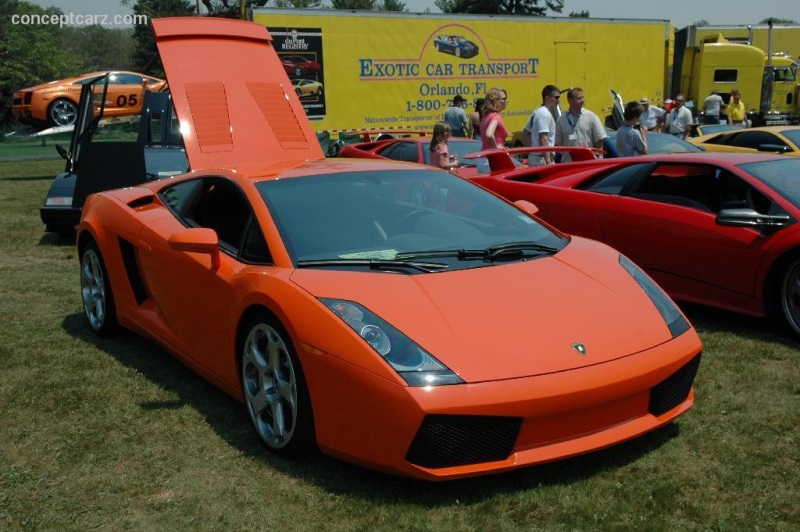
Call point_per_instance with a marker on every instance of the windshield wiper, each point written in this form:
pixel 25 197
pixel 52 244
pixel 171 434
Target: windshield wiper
pixel 376 264
pixel 490 253
pixel 493 252
pixel 458 253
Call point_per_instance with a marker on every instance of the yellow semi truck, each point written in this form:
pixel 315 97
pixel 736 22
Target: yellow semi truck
pixel 768 82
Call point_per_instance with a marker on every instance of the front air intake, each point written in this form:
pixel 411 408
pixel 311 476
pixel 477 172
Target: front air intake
pixel 673 390
pixel 448 441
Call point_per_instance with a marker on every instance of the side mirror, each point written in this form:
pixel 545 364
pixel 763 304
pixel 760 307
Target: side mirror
pixel 197 240
pixel 62 151
pixel 527 206
pixel 753 219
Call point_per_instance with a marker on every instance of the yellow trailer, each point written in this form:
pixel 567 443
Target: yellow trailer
pixel 357 70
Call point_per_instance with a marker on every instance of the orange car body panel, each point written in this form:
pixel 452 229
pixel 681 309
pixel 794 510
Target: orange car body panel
pixel 504 329
pixel 121 99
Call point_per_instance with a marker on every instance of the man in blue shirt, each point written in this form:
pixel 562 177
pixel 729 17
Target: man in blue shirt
pixel 632 136
pixel 456 116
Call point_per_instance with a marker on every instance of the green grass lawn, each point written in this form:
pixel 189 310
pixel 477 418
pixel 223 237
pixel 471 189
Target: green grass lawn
pixel 115 434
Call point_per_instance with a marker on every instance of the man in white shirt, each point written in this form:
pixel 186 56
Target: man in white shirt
pixel 540 129
pixel 679 119
pixel 651 115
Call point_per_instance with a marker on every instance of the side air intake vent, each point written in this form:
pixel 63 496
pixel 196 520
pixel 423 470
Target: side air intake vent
pixel 673 390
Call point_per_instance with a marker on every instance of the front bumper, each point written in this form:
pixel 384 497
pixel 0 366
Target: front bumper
pixel 458 431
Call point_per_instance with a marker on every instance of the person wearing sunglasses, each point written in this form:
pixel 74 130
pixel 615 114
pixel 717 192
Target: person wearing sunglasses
pixel 493 130
pixel 540 129
pixel 679 119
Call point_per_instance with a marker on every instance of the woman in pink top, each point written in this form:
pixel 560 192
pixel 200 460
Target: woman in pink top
pixel 493 130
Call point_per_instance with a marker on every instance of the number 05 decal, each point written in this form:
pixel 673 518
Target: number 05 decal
pixel 129 100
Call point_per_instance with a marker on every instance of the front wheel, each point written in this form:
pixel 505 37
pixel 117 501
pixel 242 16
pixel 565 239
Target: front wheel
pixel 274 387
pixel 790 295
pixel 62 112
pixel 98 300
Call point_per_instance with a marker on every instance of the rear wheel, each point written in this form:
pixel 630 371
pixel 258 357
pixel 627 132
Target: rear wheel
pixel 62 112
pixel 98 300
pixel 274 387
pixel 790 295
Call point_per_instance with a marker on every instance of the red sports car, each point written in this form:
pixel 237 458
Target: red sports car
pixel 390 314
pixel 715 229
pixel 417 150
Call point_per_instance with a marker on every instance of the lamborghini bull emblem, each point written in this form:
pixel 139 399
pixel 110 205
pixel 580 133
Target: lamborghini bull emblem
pixel 579 347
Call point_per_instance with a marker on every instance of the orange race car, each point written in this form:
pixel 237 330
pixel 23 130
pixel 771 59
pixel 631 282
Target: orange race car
pixel 56 103
pixel 390 314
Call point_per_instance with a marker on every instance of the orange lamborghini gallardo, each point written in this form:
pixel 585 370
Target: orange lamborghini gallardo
pixel 56 103
pixel 389 314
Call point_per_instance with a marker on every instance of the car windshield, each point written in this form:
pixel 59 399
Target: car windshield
pixel 462 148
pixel 374 215
pixel 782 175
pixel 793 135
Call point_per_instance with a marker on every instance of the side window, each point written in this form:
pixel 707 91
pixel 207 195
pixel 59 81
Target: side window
pixel 254 246
pixel 738 194
pixel 125 79
pixel 215 203
pixel 182 199
pixel 694 187
pixel 725 75
pixel 402 151
pixel 615 182
pixel 753 139
pixel 224 208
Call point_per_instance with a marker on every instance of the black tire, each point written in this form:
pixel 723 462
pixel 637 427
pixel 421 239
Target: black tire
pixel 62 112
pixel 96 294
pixel 790 294
pixel 319 92
pixel 458 51
pixel 297 92
pixel 274 388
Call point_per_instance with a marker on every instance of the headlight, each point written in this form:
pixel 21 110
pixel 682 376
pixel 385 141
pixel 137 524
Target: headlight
pixel 415 365
pixel 666 307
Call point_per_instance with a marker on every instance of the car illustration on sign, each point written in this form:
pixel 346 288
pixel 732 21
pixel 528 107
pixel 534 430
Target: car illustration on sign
pixel 382 312
pixel 307 87
pixel 297 65
pixel 457 45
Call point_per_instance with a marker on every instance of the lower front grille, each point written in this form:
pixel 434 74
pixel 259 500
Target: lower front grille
pixel 448 441
pixel 673 390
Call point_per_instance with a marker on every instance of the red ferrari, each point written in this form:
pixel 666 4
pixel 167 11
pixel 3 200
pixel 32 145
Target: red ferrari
pixel 392 315
pixel 716 229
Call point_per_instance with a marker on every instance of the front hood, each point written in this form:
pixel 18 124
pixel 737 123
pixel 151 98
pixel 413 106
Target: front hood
pixel 511 320
pixel 234 101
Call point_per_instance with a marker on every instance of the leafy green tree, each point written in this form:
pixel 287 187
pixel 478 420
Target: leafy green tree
pixel 101 48
pixel 31 53
pixel 776 20
pixel 353 4
pixel 298 4
pixel 580 14
pixel 393 5
pixel 145 55
pixel 501 7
